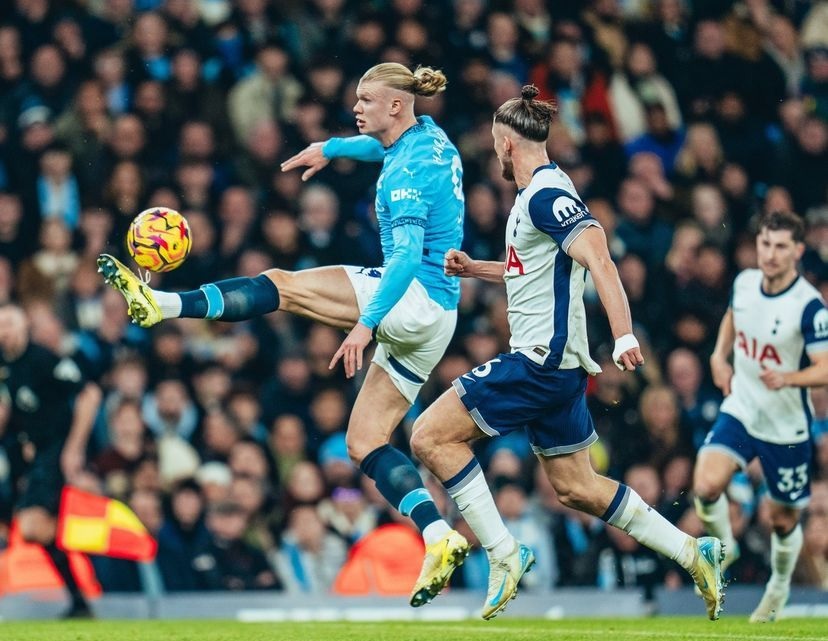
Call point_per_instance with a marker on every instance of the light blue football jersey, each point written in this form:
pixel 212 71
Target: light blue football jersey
pixel 419 206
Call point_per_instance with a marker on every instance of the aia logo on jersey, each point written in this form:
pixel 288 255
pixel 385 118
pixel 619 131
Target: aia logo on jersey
pixel 513 262
pixel 755 350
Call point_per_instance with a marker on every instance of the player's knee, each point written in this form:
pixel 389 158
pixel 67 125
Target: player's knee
pixel 359 448
pixel 706 489
pixel 282 279
pixel 422 441
pixel 783 522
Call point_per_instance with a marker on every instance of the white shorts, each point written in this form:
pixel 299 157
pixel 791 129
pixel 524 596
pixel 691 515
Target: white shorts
pixel 412 337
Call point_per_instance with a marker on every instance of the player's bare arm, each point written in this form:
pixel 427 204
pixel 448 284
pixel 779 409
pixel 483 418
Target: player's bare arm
pixel 720 366
pixel 590 250
pixel 73 457
pixel 815 375
pixel 459 263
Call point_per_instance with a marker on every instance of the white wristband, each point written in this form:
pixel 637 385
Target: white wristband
pixel 623 344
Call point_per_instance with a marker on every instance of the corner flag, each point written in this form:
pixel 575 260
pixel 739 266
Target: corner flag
pixel 100 525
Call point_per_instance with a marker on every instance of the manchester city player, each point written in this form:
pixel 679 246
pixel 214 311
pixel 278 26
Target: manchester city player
pixel 408 304
pixel 776 329
pixel 539 387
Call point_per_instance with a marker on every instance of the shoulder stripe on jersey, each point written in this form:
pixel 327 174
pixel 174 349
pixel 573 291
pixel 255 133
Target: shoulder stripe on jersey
pixel 579 229
pixel 560 331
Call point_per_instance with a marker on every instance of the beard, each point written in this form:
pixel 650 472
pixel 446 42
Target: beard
pixel 507 169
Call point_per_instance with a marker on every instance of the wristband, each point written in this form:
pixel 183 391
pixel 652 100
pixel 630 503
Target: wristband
pixel 623 344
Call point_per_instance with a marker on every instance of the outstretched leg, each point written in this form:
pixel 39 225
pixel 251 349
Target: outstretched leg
pixel 579 487
pixel 323 294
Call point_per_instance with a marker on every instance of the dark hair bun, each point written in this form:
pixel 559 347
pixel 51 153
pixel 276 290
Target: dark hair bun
pixel 529 91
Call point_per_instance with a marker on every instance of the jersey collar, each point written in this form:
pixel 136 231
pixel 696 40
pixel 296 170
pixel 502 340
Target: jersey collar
pixel 411 130
pixel 551 165
pixel 779 293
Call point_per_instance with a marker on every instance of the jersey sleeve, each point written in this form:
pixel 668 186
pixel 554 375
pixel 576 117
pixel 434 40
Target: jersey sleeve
pixel 559 214
pixel 815 326
pixel 409 196
pixel 362 148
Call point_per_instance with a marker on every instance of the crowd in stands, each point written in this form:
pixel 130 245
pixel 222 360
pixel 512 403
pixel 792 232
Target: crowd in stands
pixel 679 121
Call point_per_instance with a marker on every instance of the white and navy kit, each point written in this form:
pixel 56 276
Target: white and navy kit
pixel 540 385
pixel 777 332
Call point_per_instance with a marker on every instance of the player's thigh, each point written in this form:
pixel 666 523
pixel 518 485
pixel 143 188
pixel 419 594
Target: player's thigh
pixel 786 468
pixel 378 409
pixel 503 394
pixel 323 294
pixel 445 421
pixel 565 425
pixel 410 358
pixel 36 524
pixel 728 447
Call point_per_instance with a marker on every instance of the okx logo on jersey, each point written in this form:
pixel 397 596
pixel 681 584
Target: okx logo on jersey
pixel 405 194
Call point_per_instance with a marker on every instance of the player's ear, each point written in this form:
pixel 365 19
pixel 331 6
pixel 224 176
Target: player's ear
pixel 396 106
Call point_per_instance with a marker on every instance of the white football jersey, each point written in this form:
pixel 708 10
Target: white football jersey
pixel 544 286
pixel 775 332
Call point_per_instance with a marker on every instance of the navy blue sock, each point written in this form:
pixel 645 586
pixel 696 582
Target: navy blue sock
pixel 399 482
pixel 234 299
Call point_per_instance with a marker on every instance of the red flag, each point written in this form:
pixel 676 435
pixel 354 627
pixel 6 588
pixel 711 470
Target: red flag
pixel 100 525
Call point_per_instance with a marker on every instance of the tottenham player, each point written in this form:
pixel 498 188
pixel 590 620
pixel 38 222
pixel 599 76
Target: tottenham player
pixel 551 240
pixel 775 319
pixel 408 304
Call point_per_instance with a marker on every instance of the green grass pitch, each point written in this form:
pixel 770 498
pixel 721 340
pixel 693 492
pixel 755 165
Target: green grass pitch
pixel 666 628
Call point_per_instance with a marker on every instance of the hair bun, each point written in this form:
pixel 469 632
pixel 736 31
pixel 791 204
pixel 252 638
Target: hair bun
pixel 529 91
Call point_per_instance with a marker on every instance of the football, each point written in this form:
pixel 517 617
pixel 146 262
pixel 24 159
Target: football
pixel 159 239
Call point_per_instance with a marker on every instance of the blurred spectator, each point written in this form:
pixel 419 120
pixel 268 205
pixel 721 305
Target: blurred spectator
pixel 309 557
pixel 270 90
pixel 637 85
pixel 226 562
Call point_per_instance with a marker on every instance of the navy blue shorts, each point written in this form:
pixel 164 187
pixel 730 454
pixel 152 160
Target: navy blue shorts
pixel 786 467
pixel 511 392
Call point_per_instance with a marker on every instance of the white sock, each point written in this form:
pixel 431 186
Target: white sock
pixel 716 519
pixel 168 302
pixel 649 528
pixel 784 553
pixel 477 506
pixel 435 531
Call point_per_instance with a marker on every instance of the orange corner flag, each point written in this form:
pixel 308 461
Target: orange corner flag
pixel 100 525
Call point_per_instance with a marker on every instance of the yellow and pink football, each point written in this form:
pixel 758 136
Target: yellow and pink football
pixel 159 239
